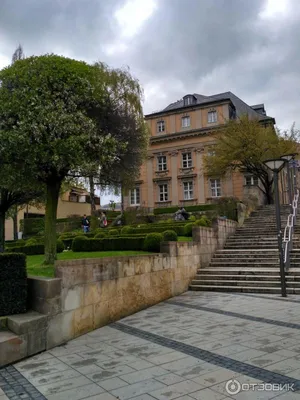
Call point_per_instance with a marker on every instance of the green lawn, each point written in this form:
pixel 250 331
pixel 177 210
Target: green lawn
pixel 34 263
pixel 184 239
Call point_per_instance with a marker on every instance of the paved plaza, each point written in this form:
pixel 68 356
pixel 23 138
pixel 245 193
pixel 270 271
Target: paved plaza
pixel 200 345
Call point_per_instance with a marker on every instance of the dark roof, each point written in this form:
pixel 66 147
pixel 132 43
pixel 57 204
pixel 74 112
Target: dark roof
pixel 240 106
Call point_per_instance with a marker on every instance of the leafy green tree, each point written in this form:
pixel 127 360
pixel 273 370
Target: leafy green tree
pixel 58 115
pixel 243 145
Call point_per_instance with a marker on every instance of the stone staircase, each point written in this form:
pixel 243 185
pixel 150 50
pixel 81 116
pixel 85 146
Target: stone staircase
pixel 249 261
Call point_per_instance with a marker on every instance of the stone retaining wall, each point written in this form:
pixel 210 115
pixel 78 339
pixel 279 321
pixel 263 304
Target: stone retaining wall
pixel 96 292
pixel 89 293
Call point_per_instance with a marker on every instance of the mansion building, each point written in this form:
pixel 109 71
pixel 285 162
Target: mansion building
pixel 181 134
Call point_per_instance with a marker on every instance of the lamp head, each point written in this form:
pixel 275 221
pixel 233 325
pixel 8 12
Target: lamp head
pixel 275 164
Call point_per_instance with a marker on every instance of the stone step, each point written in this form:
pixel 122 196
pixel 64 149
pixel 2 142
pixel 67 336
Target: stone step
pixel 247 257
pixel 229 277
pixel 243 289
pixel 241 264
pixel 12 347
pixel 292 272
pixel 244 283
pixel 251 246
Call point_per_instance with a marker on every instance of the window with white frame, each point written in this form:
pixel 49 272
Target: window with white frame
pixel 251 180
pixel 187 161
pixel 185 122
pixel 188 190
pixel 135 197
pixel 160 126
pixel 212 117
pixel 163 192
pixel 161 163
pixel 215 187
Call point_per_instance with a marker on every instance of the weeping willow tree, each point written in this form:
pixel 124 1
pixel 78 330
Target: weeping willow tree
pixel 243 145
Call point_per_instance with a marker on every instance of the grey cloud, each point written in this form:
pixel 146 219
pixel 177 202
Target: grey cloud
pixel 203 46
pixel 75 26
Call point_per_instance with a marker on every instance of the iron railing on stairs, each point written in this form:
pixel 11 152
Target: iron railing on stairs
pixel 287 242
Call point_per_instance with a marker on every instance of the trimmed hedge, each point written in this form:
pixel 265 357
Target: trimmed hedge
pixel 113 232
pixel 109 244
pixel 100 235
pixel 188 229
pixel 13 284
pixel 35 249
pixel 76 242
pixel 153 241
pixel 170 236
pixel 172 210
pixel 160 229
pixel 127 229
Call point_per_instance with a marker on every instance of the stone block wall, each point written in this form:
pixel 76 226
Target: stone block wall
pixel 211 239
pixel 95 292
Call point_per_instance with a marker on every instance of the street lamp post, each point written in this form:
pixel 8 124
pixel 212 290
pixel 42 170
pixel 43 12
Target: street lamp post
pixel 291 184
pixel 276 166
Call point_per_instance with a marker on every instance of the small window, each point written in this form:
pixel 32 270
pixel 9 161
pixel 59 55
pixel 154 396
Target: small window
pixel 212 117
pixel 187 161
pixel 185 122
pixel 251 180
pixel 135 197
pixel 160 126
pixel 163 192
pixel 162 163
pixel 73 198
pixel 189 100
pixel 188 190
pixel 215 187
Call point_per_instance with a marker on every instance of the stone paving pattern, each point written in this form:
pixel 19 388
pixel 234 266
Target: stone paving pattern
pixel 185 348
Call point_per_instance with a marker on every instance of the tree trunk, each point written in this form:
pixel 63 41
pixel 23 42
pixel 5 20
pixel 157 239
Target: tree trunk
pixel 2 231
pixel 15 223
pixel 53 189
pixel 92 195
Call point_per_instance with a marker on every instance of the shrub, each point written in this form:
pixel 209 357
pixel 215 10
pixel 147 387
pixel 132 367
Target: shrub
pixel 31 226
pixel 178 228
pixel 13 284
pixel 110 244
pixel 170 236
pixel 29 250
pixel 188 229
pixel 172 210
pixel 76 243
pixel 31 242
pixel 127 229
pixel 192 218
pixel 15 243
pixel 60 246
pixel 169 221
pixel 100 235
pixel 153 241
pixel 113 232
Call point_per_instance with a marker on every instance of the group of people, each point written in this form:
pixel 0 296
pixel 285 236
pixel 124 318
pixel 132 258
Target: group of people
pixel 85 223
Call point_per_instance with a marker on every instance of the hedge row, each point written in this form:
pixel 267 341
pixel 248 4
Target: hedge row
pixel 82 244
pixel 34 249
pixel 13 284
pixel 172 210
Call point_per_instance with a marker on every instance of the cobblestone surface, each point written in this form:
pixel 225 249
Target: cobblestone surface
pixel 185 348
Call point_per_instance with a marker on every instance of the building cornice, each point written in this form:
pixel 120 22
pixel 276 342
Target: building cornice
pixel 192 107
pixel 185 134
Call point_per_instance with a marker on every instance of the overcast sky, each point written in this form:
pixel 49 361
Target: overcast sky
pixel 174 47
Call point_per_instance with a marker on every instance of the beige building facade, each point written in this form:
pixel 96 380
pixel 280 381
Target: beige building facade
pixel 73 202
pixel 181 135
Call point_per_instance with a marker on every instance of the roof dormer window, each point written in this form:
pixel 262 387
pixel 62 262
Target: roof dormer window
pixel 189 100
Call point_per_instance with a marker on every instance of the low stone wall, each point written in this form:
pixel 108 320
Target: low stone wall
pixel 211 239
pixel 89 293
pixel 96 292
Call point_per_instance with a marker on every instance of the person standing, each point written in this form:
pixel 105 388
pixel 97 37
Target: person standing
pixel 85 224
